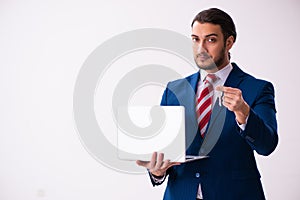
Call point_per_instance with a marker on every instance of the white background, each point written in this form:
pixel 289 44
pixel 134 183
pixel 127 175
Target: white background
pixel 42 47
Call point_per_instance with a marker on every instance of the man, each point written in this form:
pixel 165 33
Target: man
pixel 230 171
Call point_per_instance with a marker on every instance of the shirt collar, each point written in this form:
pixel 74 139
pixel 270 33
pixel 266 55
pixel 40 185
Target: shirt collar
pixel 221 74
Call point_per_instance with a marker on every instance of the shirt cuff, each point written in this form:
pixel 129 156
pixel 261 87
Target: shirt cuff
pixel 242 126
pixel 158 179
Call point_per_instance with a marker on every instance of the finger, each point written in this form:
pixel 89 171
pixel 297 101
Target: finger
pixel 153 160
pixel 233 99
pixel 165 165
pixel 230 96
pixel 230 105
pixel 171 164
pixel 227 100
pixel 160 160
pixel 231 90
pixel 230 101
pixel 227 105
pixel 143 163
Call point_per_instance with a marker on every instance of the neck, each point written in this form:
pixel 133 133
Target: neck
pixel 214 70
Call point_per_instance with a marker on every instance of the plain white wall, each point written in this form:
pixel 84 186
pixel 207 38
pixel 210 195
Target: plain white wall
pixel 42 47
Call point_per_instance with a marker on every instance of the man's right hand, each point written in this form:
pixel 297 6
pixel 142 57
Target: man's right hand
pixel 157 166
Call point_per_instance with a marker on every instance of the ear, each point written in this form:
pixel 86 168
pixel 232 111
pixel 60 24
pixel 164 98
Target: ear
pixel 229 42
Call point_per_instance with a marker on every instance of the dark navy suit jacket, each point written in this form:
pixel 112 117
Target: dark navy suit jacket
pixel 230 171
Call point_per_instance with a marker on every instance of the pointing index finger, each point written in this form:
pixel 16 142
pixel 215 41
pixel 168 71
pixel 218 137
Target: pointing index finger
pixel 226 89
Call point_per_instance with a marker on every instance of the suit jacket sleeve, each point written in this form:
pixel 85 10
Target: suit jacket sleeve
pixel 261 129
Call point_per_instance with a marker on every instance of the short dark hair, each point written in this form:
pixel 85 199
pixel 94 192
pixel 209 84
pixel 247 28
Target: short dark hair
pixel 217 17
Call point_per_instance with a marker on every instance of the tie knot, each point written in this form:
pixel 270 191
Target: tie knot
pixel 211 78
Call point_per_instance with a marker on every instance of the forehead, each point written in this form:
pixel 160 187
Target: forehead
pixel 204 29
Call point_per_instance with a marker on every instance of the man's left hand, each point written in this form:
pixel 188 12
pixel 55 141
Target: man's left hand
pixel 233 100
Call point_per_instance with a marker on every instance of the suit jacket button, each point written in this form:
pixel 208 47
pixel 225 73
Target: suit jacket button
pixel 197 175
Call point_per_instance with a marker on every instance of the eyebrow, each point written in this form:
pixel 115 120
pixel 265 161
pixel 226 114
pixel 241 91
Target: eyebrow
pixel 212 34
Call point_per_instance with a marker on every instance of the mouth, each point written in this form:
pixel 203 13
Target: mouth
pixel 203 57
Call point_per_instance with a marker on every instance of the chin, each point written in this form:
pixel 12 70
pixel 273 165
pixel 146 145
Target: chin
pixel 207 66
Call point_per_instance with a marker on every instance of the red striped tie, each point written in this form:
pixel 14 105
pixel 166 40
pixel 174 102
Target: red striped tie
pixel 204 104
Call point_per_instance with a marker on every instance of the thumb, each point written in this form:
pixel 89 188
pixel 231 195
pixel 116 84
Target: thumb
pixel 142 163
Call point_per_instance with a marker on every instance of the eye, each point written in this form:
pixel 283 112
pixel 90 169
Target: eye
pixel 194 39
pixel 211 40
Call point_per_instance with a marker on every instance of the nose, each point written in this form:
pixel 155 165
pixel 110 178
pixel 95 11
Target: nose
pixel 199 47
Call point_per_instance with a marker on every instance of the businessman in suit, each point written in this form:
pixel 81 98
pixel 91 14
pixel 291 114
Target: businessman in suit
pixel 230 171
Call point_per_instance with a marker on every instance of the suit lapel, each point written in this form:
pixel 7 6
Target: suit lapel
pixel 193 139
pixel 235 77
pixel 190 104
